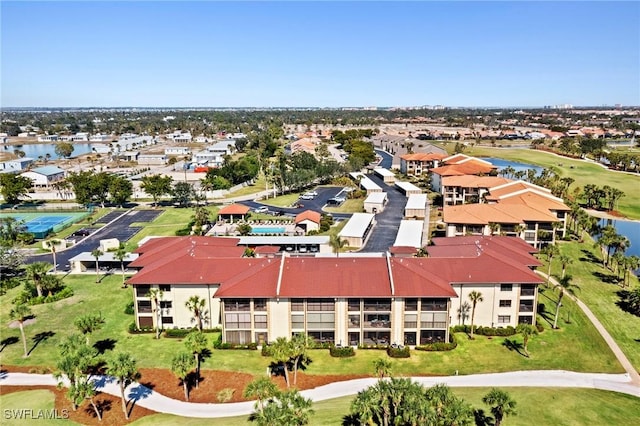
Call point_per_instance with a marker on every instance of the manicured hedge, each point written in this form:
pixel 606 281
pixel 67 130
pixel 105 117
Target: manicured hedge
pixel 342 351
pixel 177 333
pixel 485 331
pixel 440 346
pixel 399 352
pixel 379 347
pixel 135 330
pixel 248 346
pixel 62 294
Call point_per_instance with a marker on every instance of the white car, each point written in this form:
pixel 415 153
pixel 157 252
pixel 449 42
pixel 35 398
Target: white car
pixel 262 209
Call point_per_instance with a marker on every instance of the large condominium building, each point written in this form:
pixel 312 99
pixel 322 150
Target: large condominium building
pixel 346 300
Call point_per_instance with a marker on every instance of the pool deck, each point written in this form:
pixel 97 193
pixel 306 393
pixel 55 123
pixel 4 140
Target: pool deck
pixel 223 228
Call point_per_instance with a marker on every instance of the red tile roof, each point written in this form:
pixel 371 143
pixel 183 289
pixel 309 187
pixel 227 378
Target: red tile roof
pixel 235 209
pixel 403 250
pixel 414 278
pixel 308 215
pixel 472 246
pixel 429 156
pixel 471 167
pixel 257 280
pixel 191 270
pixel 167 248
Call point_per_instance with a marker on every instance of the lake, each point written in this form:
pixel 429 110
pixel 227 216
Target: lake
pixel 503 164
pixel 41 149
pixel 629 229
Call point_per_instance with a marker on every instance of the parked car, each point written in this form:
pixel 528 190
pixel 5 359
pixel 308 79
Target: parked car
pixel 261 209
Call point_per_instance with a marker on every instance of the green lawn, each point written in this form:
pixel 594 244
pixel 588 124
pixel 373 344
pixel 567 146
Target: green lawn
pixel 258 186
pixel 601 296
pixel 34 400
pixel 583 172
pixel 576 346
pixel 542 406
pixel 286 200
pixel 352 205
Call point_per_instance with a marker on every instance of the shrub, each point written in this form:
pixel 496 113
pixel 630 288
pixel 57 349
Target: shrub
pixel 62 294
pixel 218 342
pixel 399 352
pixel 133 329
pixel 440 346
pixel 8 284
pixel 225 395
pixel 486 331
pixel 378 346
pixel 341 351
pixel 266 350
pixel 183 232
pixel 129 309
pixel 177 333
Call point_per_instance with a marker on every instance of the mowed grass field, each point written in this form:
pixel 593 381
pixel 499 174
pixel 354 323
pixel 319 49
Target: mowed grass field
pixel 582 171
pixel 577 346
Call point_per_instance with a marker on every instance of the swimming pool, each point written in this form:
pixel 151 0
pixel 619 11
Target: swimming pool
pixel 268 229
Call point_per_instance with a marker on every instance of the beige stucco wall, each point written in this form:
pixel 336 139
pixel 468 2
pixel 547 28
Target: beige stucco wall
pixel 279 319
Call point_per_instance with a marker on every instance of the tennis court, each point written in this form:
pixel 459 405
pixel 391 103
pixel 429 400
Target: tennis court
pixel 41 224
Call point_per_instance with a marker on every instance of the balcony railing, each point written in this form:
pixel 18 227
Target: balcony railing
pixel 526 308
pixel 527 292
pixel 433 324
pixel 377 324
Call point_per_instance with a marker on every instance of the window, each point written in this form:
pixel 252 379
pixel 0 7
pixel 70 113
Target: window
pixel 504 319
pixel 260 321
pixel 377 320
pixel 142 290
pixel 505 303
pixel 297 322
pixel 144 306
pixel 354 305
pixel 376 337
pixel 238 337
pixel 322 336
pixel 165 304
pixel 410 320
pixel 411 305
pixel 320 305
pixel 377 305
pixel 354 338
pixel 145 322
pixel 526 306
pixel 259 304
pixel 525 319
pixel 262 337
pixel 506 287
pixel 297 305
pixel 410 338
pixel 232 320
pixel 165 288
pixel 431 336
pixel 354 321
pixel 434 305
pixel 167 320
pixel 241 305
pixel 527 290
pixel 433 320
pixel 318 321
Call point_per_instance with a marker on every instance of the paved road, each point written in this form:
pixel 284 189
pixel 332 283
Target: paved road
pixel 152 400
pixel 384 233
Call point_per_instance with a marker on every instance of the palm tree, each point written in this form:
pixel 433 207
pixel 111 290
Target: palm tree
pixel 549 251
pixel 564 261
pixel 631 264
pixel 96 253
pixel 475 297
pixel 155 294
pixel 285 408
pixel 261 389
pixel 463 311
pixel 36 273
pixel 281 352
pixel 89 323
pixel 123 367
pixel 336 243
pixel 181 365
pixel 20 313
pixel 196 342
pixel 85 389
pixel 527 330
pixel 121 254
pixel 196 305
pixel 51 245
pixel 494 227
pixel 564 284
pixel 382 367
pixel 501 404
pixel 300 344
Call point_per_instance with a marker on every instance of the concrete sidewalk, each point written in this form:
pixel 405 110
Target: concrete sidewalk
pixel 147 398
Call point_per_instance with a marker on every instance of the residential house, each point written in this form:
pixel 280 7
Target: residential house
pixel 308 220
pixel 15 165
pixel 465 189
pixel 460 165
pixel 419 163
pixel 45 176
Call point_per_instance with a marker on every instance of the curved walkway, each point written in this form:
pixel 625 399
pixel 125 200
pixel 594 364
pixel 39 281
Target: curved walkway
pixel 622 358
pixel 147 398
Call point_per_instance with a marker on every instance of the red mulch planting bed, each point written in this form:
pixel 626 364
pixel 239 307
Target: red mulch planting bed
pixel 166 383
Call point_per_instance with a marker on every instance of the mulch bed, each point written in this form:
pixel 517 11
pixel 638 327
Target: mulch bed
pixel 166 383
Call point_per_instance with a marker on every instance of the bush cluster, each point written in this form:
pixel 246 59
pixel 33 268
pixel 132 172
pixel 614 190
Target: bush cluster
pixel 378 346
pixel 341 351
pixel 249 346
pixel 177 333
pixel 399 352
pixel 486 331
pixel 129 309
pixel 62 294
pixel 133 329
pixel 440 346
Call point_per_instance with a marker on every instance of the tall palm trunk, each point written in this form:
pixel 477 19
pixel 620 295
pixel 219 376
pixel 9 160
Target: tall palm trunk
pixel 473 316
pixel 555 320
pixel 197 369
pixel 124 400
pixel 24 338
pixel 95 408
pixel 186 389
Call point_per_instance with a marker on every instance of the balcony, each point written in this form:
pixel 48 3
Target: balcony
pixel 377 324
pixel 527 291
pixel 526 308
pixel 434 324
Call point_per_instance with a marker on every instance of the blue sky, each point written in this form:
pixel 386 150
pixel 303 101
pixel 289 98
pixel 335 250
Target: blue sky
pixel 319 54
